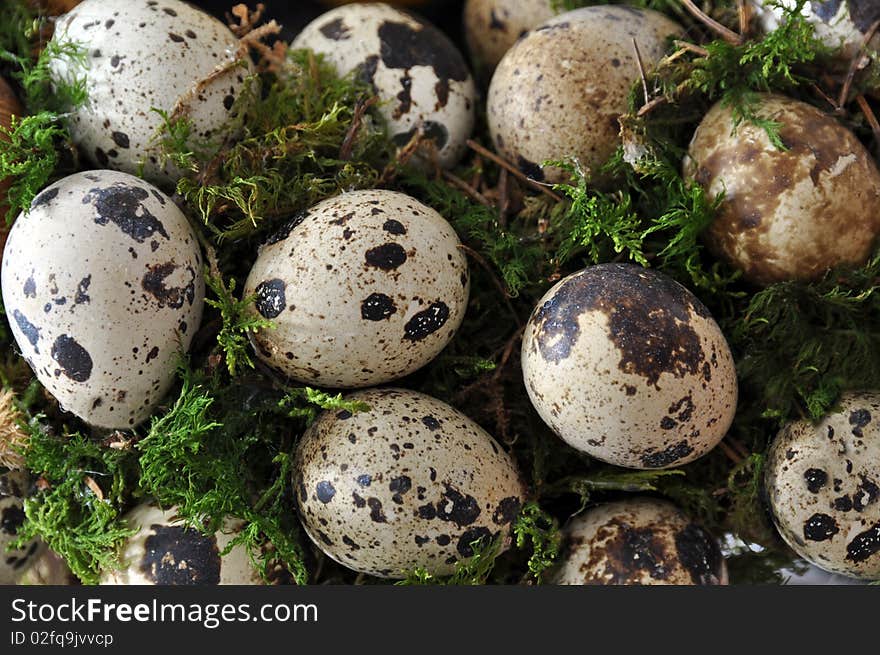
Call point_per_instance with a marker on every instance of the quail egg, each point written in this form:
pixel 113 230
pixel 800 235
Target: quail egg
pixel 491 27
pixel 419 75
pixel 839 24
pixel 362 288
pixel 166 552
pixel 409 483
pixel 14 563
pixel 557 93
pixel 792 213
pixel 102 282
pixel 823 484
pixel 625 364
pixel 144 54
pixel 641 541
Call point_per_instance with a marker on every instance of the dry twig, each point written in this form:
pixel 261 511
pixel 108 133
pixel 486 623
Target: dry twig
pixel 727 34
pixel 488 154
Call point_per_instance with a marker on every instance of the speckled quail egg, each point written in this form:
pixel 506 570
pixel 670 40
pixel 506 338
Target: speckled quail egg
pixel 362 288
pixel 640 541
pixel 166 552
pixel 14 563
pixel 625 364
pixel 409 483
pixel 823 484
pixel 102 283
pixel 419 75
pixel 839 24
pixel 491 27
pixel 557 93
pixel 787 214
pixel 143 54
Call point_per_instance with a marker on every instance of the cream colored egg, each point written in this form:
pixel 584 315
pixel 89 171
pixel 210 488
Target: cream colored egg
pixel 410 483
pixel 362 289
pixel 14 563
pixel 823 484
pixel 640 541
pixel 625 364
pixel 787 214
pixel 557 93
pixel 164 551
pixel 102 282
pixel 491 27
pixel 144 54
pixel 419 75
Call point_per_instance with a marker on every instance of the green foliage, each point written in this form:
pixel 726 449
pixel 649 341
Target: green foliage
pixel 802 344
pixel 306 402
pixel 238 321
pixel 17 27
pixel 469 572
pixel 540 531
pixel 29 156
pixel 31 151
pixel 213 470
pixel 86 529
pixel 290 151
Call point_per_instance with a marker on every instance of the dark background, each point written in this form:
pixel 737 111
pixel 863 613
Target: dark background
pixel 296 14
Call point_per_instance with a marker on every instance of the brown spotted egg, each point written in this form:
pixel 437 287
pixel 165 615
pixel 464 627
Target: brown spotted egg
pixel 362 289
pixel 14 563
pixel 557 93
pixel 165 551
pixel 839 24
pixel 792 213
pixel 491 27
pixel 419 75
pixel 102 283
pixel 142 54
pixel 627 365
pixel 640 541
pixel 823 484
pixel 408 483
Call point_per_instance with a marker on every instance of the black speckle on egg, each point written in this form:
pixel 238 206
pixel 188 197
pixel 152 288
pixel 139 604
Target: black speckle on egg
pixel 122 205
pixel 820 527
pixel 377 307
pixel 270 301
pixel 387 257
pixel 180 556
pixel 325 491
pixel 393 227
pixel 30 331
pixel 74 360
pixel 426 322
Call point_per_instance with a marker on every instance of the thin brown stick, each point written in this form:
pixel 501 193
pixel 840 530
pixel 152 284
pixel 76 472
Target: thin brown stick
pixel 854 64
pixel 642 74
pixel 508 351
pixel 871 118
pixel 488 154
pixel 470 191
pixel 690 47
pixel 827 98
pixel 357 119
pixel 744 10
pixel 732 455
pixel 477 257
pixel 503 198
pixel 727 34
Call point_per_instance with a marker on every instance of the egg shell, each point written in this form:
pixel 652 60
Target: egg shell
pixel 164 551
pixel 420 77
pixel 557 93
pixel 823 485
pixel 14 563
pixel 142 54
pixel 839 24
pixel 640 541
pixel 409 483
pixel 491 27
pixel 102 282
pixel 625 364
pixel 787 214
pixel 362 288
